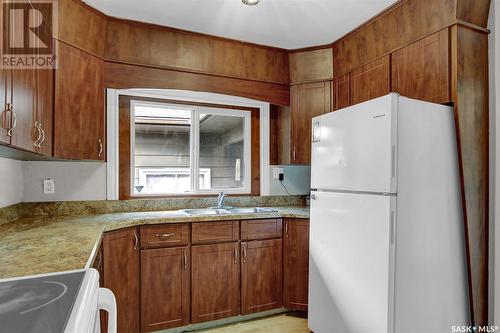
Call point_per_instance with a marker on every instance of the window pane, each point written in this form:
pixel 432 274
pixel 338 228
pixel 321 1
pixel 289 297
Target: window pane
pixel 162 150
pixel 221 152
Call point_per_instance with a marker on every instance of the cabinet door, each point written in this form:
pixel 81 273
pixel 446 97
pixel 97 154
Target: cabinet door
pixel 261 276
pixel 215 284
pixel 79 105
pixel 296 263
pixel 121 275
pixel 25 134
pixel 421 70
pixel 165 288
pixel 341 92
pixel 5 118
pixel 370 81
pixel 308 100
pixel 45 109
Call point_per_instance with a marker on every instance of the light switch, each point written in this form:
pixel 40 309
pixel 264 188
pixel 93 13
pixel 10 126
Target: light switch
pixel 49 186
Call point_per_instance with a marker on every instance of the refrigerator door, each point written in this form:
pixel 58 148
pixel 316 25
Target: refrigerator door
pixel 350 263
pixel 354 148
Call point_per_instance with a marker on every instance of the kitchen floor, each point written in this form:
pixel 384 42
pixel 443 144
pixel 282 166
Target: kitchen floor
pixel 284 323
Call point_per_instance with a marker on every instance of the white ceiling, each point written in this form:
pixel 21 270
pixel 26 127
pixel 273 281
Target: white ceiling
pixel 287 24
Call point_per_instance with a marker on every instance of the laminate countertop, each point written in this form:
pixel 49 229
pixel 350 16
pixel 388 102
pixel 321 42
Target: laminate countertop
pixel 36 245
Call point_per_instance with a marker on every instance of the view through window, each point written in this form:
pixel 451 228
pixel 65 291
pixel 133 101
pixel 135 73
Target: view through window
pixel 181 149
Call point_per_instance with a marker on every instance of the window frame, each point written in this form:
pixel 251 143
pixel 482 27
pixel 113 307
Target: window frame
pixel 194 151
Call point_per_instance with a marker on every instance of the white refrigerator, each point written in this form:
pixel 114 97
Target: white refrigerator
pixel 387 248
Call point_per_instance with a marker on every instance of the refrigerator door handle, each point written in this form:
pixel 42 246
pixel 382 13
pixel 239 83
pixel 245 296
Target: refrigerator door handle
pixel 392 227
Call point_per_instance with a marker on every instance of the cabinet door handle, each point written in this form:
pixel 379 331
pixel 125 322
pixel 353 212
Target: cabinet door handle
pixel 164 235
pixel 100 147
pixel 185 259
pixel 43 134
pixel 235 254
pixel 136 240
pixel 286 229
pixel 294 153
pixel 39 135
pixel 244 253
pixel 7 110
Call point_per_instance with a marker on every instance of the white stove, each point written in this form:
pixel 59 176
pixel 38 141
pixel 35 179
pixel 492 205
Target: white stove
pixel 66 302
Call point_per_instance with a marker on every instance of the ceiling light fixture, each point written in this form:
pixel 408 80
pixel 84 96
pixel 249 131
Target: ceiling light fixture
pixel 250 2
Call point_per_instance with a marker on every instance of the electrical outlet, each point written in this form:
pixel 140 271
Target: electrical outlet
pixel 277 172
pixel 49 186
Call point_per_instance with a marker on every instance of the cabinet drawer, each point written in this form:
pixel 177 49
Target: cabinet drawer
pixel 261 229
pixel 210 232
pixel 164 235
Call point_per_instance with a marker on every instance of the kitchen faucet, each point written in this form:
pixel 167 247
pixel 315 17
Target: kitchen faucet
pixel 220 199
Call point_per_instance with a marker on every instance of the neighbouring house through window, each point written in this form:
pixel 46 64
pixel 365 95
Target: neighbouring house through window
pixel 188 149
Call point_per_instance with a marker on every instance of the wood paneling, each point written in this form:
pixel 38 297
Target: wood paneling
pixel 341 92
pixel 79 106
pixel 280 127
pixel 402 24
pixel 308 100
pixel 152 45
pixel 261 229
pixel 121 76
pixel 164 235
pixel 307 66
pixel 470 96
pixel 261 276
pixel 475 12
pixel 211 232
pixel 121 275
pixel 422 70
pixel 296 264
pixel 165 284
pixel 81 26
pixel 371 81
pixel 215 283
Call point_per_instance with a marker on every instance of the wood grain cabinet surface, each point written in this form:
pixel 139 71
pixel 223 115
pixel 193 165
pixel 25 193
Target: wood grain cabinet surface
pixel 165 276
pixel 261 275
pixel 307 101
pixel 164 235
pixel 421 70
pixel 79 105
pixel 341 92
pixel 215 283
pixel 371 81
pixel 296 264
pixel 261 229
pixel 121 275
pixel 215 232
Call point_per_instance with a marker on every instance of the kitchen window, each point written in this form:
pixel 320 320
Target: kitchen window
pixel 182 149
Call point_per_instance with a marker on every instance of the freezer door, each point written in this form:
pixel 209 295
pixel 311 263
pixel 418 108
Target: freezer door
pixel 350 263
pixel 354 148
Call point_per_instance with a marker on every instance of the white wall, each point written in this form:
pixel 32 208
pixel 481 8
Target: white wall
pixel 297 180
pixel 494 55
pixel 73 181
pixel 11 182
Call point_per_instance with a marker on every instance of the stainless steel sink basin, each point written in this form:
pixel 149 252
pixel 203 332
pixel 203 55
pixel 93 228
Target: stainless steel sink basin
pixel 205 211
pixel 250 210
pixel 219 211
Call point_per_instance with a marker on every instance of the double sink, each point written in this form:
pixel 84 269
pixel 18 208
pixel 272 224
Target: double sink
pixel 227 210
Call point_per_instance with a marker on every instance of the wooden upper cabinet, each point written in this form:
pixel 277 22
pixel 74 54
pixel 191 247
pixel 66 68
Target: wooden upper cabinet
pixel 370 81
pixel 296 264
pixel 45 110
pixel 307 101
pixel 422 71
pixel 79 105
pixel 24 134
pixel 307 66
pixel 261 275
pixel 121 275
pixel 5 117
pixel 341 92
pixel 165 275
pixel 215 282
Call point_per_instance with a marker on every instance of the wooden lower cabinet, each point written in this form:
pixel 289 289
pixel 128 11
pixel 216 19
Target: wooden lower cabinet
pixel 261 275
pixel 296 264
pixel 165 276
pixel 215 283
pixel 121 275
